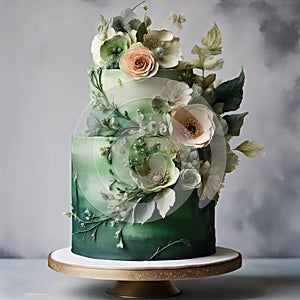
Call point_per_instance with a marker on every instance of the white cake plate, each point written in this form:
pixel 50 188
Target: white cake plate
pixel 144 279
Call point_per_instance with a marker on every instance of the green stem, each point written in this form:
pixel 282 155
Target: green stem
pixel 159 250
pixel 138 5
pixel 91 228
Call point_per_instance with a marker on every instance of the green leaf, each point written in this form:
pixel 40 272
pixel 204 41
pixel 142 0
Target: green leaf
pixel 218 108
pixel 147 21
pixel 251 149
pixel 212 40
pixel 231 162
pixel 68 214
pixel 118 24
pixel 208 80
pixel 235 122
pixel 197 90
pixel 134 24
pixel 231 93
pixel 128 15
pixel 222 127
pixel 142 30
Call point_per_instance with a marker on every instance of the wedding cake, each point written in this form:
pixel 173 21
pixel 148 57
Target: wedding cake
pixel 147 172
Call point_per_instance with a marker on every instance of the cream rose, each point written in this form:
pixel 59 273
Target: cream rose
pixel 192 125
pixel 138 62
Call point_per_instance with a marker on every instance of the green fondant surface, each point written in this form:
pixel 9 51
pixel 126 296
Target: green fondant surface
pixel 141 241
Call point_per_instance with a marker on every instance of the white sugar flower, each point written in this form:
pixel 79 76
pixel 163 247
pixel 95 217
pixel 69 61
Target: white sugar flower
pixel 176 93
pixel 165 47
pixel 189 179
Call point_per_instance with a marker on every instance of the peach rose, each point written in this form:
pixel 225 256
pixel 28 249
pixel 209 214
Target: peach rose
pixel 138 62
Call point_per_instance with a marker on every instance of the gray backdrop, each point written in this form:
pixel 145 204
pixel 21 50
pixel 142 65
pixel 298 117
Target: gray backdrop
pixel 44 57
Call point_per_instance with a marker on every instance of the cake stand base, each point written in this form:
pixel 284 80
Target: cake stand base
pixel 144 279
pixel 143 289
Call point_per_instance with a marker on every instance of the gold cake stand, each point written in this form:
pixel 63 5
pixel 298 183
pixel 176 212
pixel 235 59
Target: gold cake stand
pixel 144 279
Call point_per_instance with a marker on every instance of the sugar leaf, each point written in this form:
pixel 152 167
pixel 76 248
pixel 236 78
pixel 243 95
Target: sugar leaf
pixel 212 40
pixel 231 93
pixel 235 123
pixel 164 201
pixel 251 149
pixel 232 161
pixel 143 212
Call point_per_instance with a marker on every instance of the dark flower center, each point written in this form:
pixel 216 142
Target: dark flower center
pixel 192 128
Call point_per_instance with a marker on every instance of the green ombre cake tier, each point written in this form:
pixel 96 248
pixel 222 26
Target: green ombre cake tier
pixel 186 232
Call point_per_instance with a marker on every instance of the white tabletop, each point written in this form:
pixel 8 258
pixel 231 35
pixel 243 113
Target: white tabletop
pixel 257 279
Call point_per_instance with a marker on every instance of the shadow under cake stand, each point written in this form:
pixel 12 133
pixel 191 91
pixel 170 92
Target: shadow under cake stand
pixel 144 279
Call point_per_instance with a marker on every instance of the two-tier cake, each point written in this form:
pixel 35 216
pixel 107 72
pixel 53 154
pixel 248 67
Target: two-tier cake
pixel 147 173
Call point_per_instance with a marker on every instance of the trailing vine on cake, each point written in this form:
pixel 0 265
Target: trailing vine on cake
pixel 161 249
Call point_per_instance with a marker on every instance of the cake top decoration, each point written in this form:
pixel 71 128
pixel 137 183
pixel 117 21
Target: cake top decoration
pixel 129 43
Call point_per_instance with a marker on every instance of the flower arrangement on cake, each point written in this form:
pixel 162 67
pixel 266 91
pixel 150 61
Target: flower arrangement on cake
pixel 168 144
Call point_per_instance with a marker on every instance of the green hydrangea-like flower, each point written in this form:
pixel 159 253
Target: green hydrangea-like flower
pixel 111 51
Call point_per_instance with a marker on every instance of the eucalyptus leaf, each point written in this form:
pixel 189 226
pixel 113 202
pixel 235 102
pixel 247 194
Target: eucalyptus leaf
pixel 141 32
pixel 118 24
pixel 147 21
pixel 251 149
pixel 128 15
pixel 231 93
pixel 134 24
pixel 235 122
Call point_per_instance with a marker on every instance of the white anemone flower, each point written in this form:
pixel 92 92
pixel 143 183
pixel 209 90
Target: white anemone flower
pixel 192 125
pixel 165 47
